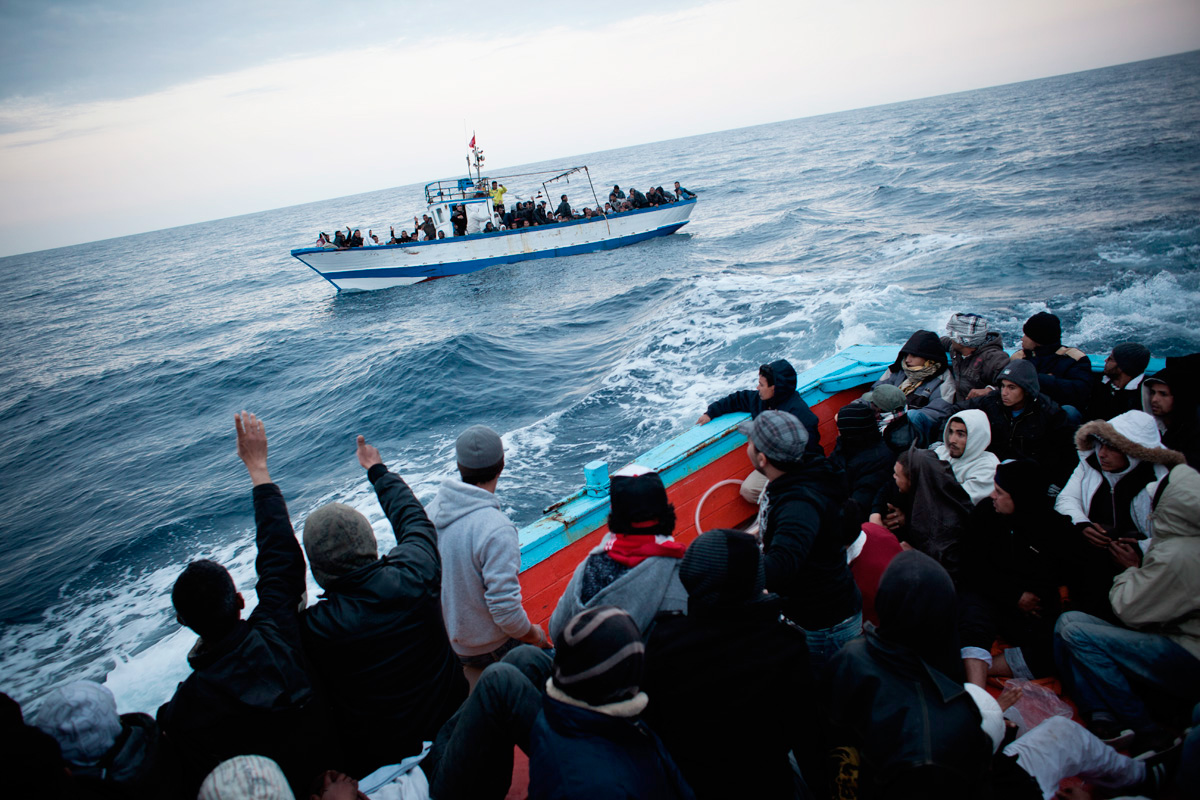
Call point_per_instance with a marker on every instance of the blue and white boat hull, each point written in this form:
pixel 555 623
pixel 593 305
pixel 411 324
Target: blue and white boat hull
pixel 366 268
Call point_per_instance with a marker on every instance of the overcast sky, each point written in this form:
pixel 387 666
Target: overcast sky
pixel 122 116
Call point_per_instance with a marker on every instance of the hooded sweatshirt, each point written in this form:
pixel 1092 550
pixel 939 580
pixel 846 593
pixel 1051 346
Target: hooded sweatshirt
pixel 481 595
pixel 786 398
pixel 1163 594
pixel 975 469
pixel 1135 434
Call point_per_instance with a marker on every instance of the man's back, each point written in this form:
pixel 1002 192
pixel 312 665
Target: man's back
pixel 481 557
pixel 715 675
pixel 802 553
pixel 249 691
pixel 378 643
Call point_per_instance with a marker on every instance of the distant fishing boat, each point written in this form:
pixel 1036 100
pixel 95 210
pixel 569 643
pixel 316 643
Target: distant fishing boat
pixel 383 266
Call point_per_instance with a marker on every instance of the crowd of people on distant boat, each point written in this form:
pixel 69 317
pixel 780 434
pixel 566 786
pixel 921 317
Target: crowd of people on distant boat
pixel 522 214
pixel 980 518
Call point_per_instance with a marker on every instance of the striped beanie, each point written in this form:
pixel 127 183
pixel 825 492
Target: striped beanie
pixel 246 778
pixel 599 657
pixel 969 330
pixel 722 568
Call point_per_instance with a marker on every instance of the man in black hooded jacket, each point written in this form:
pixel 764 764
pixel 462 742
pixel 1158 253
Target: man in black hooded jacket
pixel 1026 423
pixel 776 391
pixel 249 691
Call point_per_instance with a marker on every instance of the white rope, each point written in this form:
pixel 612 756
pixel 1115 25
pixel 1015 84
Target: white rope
pixel 704 497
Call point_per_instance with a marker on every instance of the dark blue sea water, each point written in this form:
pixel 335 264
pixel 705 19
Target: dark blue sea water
pixel 125 360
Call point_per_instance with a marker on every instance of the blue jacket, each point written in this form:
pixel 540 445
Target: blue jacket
pixel 582 754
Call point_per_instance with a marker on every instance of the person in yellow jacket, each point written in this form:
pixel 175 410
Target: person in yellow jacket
pixel 1158 598
pixel 498 196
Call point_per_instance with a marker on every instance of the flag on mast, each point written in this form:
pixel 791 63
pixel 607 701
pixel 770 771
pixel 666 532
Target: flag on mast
pixel 472 144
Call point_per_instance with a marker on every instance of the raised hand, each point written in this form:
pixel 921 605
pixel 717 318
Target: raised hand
pixel 252 446
pixel 368 454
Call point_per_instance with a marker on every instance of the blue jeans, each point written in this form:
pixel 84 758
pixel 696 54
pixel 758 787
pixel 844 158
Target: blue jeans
pixel 924 422
pixel 1099 659
pixel 1074 416
pixel 825 642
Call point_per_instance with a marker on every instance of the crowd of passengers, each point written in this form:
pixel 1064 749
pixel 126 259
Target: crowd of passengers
pixel 979 519
pixel 523 214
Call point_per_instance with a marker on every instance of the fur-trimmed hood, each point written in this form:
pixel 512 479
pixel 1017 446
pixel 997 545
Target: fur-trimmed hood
pixel 1134 433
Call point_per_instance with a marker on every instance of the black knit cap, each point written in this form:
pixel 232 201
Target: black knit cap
pixel 856 422
pixel 1026 481
pixel 1044 328
pixel 639 505
pixel 599 656
pixel 722 568
pixel 1132 358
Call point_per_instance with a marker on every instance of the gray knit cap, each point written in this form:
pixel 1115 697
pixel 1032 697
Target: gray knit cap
pixel 1023 373
pixel 886 397
pixel 246 778
pixel 337 540
pixel 969 330
pixel 479 447
pixel 82 717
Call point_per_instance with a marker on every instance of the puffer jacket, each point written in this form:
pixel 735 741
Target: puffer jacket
pixel 1039 433
pixel 378 644
pixel 934 396
pixel 786 398
pixel 978 370
pixel 1163 594
pixel 1134 434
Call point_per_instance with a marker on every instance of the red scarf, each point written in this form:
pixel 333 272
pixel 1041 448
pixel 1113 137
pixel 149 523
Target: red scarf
pixel 633 549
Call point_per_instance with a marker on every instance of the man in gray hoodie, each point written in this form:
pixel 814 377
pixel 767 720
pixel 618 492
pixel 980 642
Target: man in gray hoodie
pixel 481 595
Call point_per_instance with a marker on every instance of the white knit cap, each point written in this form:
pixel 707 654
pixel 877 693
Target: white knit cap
pixel 246 778
pixel 82 717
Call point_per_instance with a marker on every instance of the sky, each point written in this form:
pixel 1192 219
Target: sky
pixel 124 116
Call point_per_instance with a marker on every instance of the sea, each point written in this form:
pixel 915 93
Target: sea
pixel 126 359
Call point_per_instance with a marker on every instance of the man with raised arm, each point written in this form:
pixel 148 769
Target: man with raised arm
pixel 376 638
pixel 249 691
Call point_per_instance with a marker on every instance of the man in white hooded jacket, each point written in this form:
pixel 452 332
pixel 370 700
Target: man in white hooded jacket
pixel 1157 601
pixel 1108 498
pixel 965 448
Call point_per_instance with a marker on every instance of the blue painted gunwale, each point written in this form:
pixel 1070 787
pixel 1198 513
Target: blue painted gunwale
pixel 579 514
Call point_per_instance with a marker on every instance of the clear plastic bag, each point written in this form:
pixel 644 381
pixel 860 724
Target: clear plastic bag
pixel 1036 705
